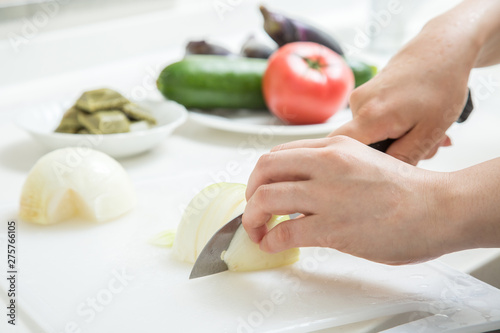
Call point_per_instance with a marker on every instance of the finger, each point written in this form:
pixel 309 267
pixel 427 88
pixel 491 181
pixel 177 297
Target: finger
pixel 279 166
pixel 415 145
pixel 363 131
pixel 431 153
pixel 274 199
pixel 446 142
pixel 298 232
pixel 307 143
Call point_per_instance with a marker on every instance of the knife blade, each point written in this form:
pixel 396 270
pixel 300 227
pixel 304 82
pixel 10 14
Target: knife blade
pixel 209 261
pixel 469 106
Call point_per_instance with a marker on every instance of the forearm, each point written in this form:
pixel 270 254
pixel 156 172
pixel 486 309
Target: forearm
pixel 473 206
pixel 474 22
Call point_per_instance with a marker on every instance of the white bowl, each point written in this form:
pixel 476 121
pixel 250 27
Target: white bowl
pixel 41 122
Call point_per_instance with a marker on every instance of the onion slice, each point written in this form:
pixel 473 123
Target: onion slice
pixel 207 212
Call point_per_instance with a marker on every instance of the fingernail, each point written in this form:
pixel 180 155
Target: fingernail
pixel 255 236
pixel 263 245
pixel 255 239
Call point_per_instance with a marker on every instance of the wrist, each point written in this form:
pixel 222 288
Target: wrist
pixel 456 41
pixel 472 210
pixel 446 223
pixel 474 25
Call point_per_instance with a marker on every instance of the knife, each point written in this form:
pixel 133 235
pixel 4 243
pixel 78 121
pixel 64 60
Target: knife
pixel 469 106
pixel 210 262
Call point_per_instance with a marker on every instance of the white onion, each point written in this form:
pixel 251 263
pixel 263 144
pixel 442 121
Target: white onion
pixel 245 255
pixel 207 212
pixel 76 182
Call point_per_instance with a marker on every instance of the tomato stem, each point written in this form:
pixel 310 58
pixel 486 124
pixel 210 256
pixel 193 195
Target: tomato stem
pixel 314 64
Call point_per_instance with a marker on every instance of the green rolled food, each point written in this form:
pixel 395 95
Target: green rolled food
pixel 104 122
pixel 211 82
pixel 69 122
pixel 101 99
pixel 83 131
pixel 104 111
pixel 135 112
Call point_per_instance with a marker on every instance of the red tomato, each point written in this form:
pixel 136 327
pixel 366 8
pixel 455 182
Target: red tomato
pixel 306 83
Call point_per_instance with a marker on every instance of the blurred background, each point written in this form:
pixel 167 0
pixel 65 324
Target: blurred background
pixel 40 39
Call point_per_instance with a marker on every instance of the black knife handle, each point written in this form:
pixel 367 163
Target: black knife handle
pixel 382 145
pixel 469 106
pixel 467 109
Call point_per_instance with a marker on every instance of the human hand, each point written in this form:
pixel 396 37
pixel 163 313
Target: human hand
pixel 415 98
pixel 354 199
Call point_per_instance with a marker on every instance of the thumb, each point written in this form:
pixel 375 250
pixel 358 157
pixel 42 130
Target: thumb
pixel 298 232
pixel 363 131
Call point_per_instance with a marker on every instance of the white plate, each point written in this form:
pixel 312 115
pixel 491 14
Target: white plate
pixel 259 122
pixel 41 122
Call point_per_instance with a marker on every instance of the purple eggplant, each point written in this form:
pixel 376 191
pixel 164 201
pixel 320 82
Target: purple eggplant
pixel 203 47
pixel 285 30
pixel 252 48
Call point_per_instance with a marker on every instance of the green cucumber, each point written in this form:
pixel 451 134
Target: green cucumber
pixel 211 82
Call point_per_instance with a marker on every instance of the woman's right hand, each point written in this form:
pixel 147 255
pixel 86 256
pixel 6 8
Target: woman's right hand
pixel 417 96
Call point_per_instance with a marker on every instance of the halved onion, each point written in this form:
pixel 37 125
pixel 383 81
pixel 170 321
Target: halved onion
pixel 72 182
pixel 207 212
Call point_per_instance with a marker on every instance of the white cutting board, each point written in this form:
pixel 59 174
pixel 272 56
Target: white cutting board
pixel 64 268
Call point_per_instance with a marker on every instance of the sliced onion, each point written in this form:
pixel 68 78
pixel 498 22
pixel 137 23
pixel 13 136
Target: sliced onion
pixel 245 255
pixel 207 212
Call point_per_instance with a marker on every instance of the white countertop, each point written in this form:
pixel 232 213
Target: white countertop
pixel 195 152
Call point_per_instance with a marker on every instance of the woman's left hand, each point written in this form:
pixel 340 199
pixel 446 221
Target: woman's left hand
pixel 353 199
